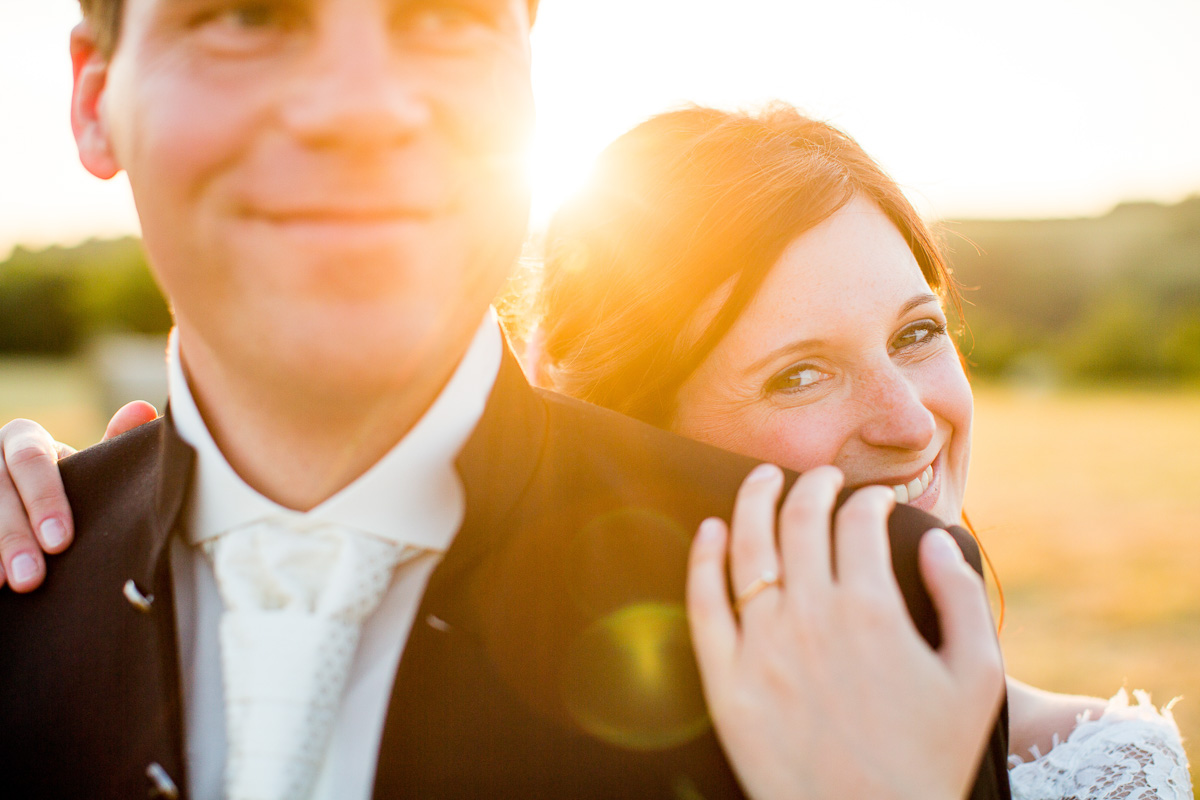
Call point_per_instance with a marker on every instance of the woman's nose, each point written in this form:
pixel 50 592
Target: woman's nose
pixel 895 414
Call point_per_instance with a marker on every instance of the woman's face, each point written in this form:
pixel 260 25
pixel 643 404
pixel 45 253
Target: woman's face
pixel 842 358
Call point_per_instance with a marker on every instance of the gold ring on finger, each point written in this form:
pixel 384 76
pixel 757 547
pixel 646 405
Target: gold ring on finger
pixel 768 579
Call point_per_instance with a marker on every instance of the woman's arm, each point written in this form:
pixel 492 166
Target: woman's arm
pixel 818 683
pixel 34 514
pixel 1037 718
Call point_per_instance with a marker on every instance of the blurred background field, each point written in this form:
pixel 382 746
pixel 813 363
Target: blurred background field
pixel 1089 504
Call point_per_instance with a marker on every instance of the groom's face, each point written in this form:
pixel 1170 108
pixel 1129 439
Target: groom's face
pixel 317 177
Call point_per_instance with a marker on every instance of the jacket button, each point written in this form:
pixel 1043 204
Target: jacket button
pixel 161 783
pixel 138 600
pixel 437 623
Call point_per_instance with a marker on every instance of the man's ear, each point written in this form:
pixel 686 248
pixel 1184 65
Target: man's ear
pixel 90 68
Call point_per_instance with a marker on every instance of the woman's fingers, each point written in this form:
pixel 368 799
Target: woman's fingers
pixel 20 555
pixel 713 626
pixel 128 417
pixel 778 672
pixel 969 648
pixel 34 514
pixel 862 548
pixel 804 540
pixel 754 567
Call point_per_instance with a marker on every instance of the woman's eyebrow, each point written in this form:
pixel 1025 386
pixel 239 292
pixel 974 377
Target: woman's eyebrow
pixel 918 300
pixel 800 345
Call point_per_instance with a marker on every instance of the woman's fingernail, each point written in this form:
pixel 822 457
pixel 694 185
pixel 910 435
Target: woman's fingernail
pixel 54 533
pixel 24 568
pixel 710 529
pixel 763 472
pixel 942 546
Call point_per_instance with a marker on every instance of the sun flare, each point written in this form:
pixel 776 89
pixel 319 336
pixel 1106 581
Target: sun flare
pixel 557 168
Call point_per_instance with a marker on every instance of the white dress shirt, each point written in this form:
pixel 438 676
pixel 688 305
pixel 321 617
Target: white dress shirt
pixel 412 495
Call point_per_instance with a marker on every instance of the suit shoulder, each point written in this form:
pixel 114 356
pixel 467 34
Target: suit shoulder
pixel 593 432
pixel 129 455
pixel 126 471
pixel 137 443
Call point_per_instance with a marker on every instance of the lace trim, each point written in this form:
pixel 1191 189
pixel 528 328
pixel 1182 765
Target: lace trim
pixel 1131 752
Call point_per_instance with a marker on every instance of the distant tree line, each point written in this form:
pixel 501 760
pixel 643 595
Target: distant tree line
pixel 53 301
pixel 1111 298
pixel 1103 299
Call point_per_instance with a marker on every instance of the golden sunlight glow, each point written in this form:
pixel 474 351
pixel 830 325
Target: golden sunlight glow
pixel 556 171
pixel 975 110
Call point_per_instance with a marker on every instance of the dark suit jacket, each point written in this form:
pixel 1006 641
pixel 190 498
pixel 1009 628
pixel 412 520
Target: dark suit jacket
pixel 549 657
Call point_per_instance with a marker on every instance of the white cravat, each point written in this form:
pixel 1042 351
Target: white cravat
pixel 296 596
pixel 412 496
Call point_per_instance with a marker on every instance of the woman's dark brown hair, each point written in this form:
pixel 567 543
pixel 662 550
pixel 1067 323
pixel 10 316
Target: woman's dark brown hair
pixel 688 203
pixel 688 207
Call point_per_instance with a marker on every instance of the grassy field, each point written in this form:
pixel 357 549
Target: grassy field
pixel 1089 504
pixel 62 395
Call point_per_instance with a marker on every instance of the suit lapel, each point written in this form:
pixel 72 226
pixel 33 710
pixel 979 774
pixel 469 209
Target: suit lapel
pixel 106 618
pixel 442 677
pixel 173 472
pixel 495 466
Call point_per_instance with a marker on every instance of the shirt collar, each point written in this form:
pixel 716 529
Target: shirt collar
pixel 412 495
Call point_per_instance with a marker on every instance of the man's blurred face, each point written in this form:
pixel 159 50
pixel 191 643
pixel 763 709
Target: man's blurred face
pixel 330 183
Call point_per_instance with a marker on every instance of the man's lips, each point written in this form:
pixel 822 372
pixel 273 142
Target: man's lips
pixel 341 215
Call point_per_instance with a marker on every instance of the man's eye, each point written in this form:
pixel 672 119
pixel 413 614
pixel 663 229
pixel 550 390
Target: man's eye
pixel 919 333
pixel 245 28
pixel 241 18
pixel 441 20
pixel 254 15
pixel 796 379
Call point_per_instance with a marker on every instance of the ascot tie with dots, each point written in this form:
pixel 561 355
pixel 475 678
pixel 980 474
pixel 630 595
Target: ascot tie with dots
pixel 296 595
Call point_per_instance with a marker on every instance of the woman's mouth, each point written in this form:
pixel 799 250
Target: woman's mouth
pixel 908 492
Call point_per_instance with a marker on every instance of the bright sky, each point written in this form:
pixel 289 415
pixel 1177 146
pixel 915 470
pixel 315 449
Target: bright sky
pixel 1024 108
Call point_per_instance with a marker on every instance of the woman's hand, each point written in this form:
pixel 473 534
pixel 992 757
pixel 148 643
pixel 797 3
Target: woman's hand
pixel 34 514
pixel 818 682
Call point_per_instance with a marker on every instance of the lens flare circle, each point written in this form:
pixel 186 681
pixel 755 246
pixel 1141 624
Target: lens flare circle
pixel 631 680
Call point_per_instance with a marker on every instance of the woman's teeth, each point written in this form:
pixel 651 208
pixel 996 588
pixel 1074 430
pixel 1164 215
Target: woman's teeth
pixel 907 492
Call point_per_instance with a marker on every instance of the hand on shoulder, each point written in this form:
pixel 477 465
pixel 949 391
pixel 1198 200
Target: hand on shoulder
pixel 35 517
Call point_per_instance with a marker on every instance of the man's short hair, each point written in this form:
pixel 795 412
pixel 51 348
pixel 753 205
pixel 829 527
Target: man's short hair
pixel 104 17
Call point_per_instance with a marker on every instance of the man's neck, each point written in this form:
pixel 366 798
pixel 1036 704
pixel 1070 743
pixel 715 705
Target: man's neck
pixel 298 440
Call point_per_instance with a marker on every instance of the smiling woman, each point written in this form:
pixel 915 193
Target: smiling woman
pixel 842 358
pixel 758 283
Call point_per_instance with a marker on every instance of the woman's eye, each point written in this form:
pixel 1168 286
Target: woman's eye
pixel 796 379
pixel 917 334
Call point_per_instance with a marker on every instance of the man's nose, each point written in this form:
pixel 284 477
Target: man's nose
pixel 354 89
pixel 895 414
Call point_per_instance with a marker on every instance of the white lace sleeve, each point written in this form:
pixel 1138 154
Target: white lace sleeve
pixel 1132 752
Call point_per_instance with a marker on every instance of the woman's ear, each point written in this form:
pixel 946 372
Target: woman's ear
pixel 90 67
